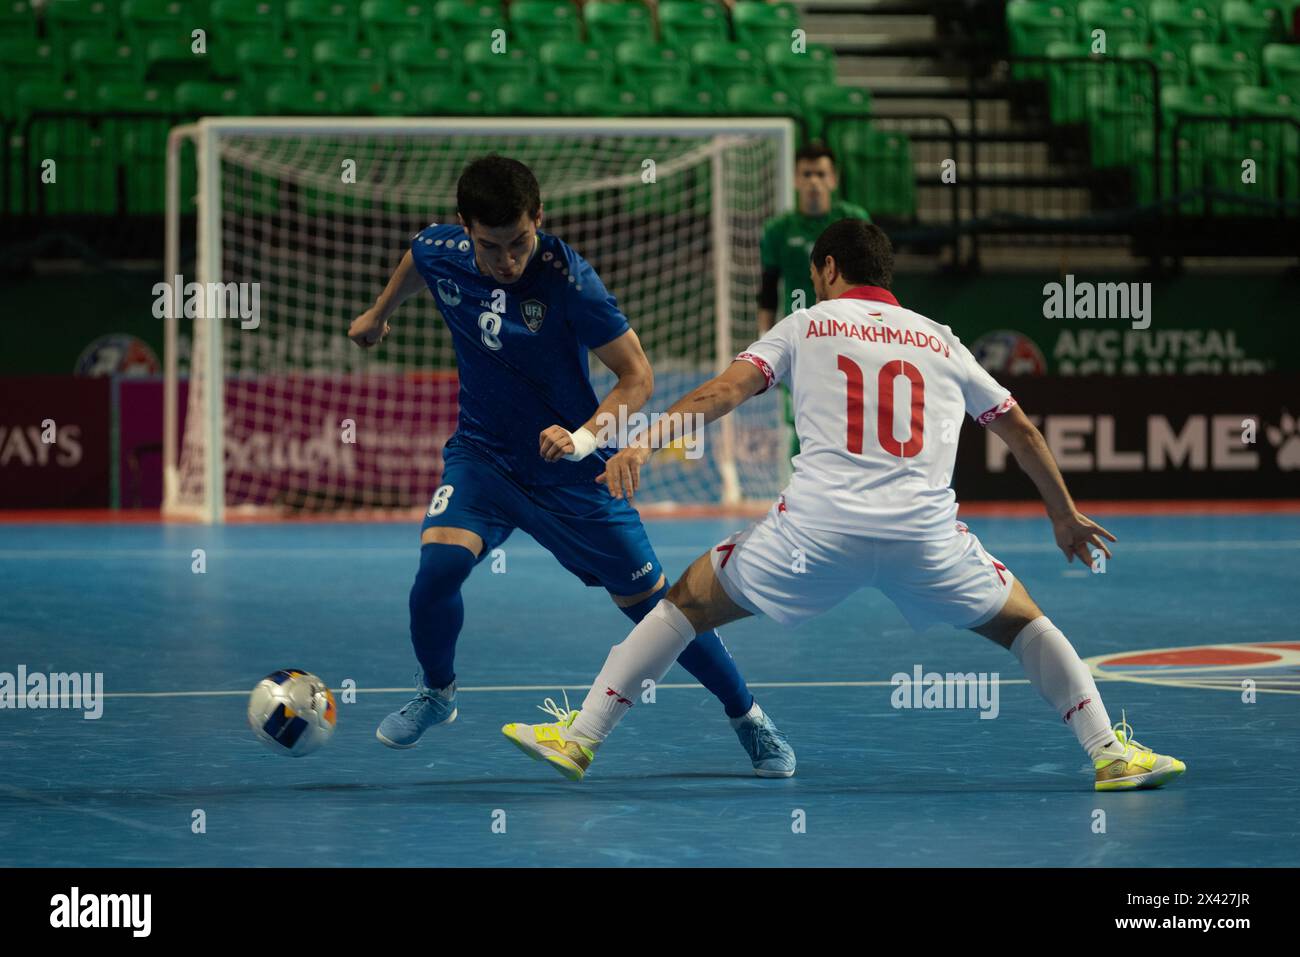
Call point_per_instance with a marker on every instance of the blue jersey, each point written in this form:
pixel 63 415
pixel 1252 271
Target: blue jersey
pixel 521 348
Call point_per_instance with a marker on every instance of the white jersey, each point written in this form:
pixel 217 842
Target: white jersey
pixel 879 392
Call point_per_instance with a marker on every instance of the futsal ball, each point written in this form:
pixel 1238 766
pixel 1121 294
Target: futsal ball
pixel 292 712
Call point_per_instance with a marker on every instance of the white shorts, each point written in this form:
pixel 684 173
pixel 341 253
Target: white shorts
pixel 791 575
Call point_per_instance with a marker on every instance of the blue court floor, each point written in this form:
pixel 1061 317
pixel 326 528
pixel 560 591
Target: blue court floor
pixel 877 785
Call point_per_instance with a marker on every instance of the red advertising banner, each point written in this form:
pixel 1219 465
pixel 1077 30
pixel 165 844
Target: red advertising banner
pixel 337 441
pixel 54 442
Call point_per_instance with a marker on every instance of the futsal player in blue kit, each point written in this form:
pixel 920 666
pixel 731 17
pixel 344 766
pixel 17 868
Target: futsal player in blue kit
pixel 524 309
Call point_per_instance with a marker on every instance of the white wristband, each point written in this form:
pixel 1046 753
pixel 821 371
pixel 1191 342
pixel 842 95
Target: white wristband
pixel 584 443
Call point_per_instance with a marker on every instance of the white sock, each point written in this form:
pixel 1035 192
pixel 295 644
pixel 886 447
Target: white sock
pixel 648 651
pixel 1060 676
pixel 753 714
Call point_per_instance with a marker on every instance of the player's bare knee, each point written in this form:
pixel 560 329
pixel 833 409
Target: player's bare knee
pixel 625 601
pixel 453 536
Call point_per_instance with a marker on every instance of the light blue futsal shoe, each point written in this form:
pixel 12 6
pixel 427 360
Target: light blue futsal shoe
pixel 768 749
pixel 403 728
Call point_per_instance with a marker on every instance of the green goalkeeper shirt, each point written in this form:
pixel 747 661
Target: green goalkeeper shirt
pixel 787 245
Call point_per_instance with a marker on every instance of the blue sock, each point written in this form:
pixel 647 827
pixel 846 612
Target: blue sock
pixel 707 660
pixel 437 611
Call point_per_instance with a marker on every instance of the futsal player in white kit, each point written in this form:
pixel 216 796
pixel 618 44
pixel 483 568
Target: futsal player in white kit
pixel 879 394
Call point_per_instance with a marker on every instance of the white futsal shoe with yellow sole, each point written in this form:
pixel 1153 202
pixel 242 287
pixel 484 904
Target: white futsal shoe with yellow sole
pixel 1138 768
pixel 554 743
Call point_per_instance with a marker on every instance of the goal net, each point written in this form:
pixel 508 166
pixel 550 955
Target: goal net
pixel 300 223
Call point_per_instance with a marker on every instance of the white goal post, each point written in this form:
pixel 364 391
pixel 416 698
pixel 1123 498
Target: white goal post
pixel 300 221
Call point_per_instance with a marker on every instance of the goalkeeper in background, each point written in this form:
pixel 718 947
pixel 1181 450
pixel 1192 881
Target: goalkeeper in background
pixel 524 309
pixel 786 247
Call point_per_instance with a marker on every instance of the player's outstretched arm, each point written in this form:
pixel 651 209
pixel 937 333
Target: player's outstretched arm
pixel 371 326
pixel 636 382
pixel 714 399
pixel 1075 532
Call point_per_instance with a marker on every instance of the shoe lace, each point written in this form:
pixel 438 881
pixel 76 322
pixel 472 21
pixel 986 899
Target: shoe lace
pixel 1124 731
pixel 563 715
pixel 765 737
pixel 423 696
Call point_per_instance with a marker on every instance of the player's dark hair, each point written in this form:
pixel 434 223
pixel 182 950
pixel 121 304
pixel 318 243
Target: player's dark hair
pixel 861 249
pixel 814 151
pixel 495 191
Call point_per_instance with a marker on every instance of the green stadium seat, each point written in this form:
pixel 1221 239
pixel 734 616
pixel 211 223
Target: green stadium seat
pixel 145 20
pixel 86 177
pixel 1121 22
pixel 385 22
pixel 311 21
pixel 420 63
pixel 758 24
pixel 1187 148
pixel 1246 24
pixel 268 60
pixel 759 99
pixel 792 71
pixel 67 21
pixel 289 97
pixel 1068 81
pixel 1265 101
pixel 567 63
pixel 1117 119
pixel 460 22
pixel 17 21
pixel 683 23
pixel 527 99
pixel 682 99
pixel 42 96
pixel 1031 26
pixel 1287 13
pixel 1183 24
pixel 97 60
pixel 609 24
pixel 135 98
pixel 1222 67
pixel 721 65
pixel 1172 64
pixel 822 102
pixel 451 100
pixel 1273 143
pixel 197 98
pixel 138 143
pixel 362 99
pixel 172 60
pixel 338 62
pixel 235 22
pixel 483 66
pixel 599 99
pixel 534 23
pixel 22 60
pixel 646 64
pixel 876 169
pixel 1282 67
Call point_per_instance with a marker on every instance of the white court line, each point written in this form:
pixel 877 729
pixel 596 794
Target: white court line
pixel 1172 682
pixel 530 551
pixel 546 688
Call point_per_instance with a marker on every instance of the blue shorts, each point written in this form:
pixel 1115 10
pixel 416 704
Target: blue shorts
pixel 598 538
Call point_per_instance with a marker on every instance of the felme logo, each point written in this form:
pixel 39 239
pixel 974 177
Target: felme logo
pixel 103 910
pixel 1088 443
pixel 1285 437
